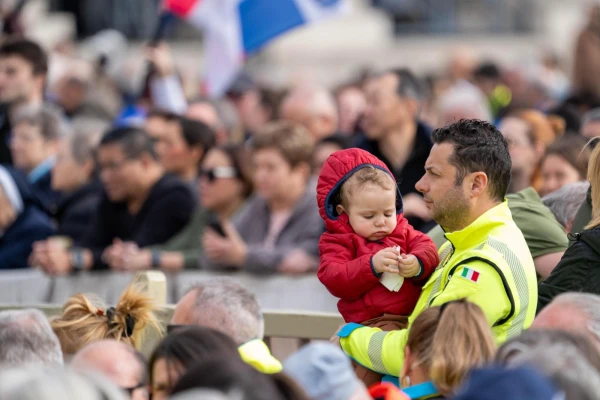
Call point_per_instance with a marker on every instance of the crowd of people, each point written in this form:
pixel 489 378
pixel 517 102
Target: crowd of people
pixel 213 348
pixel 456 216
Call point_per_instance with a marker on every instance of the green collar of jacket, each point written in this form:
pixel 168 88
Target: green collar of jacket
pixel 473 234
pixel 257 354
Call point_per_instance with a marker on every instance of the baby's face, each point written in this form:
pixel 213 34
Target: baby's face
pixel 372 212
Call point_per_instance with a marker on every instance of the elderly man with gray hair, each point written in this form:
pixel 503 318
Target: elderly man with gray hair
pixel 228 307
pixel 314 107
pixel 573 312
pixel 565 202
pixel 26 338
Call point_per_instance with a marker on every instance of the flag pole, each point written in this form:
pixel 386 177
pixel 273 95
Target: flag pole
pixel 165 20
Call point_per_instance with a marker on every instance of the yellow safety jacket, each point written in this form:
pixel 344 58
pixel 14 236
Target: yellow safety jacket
pixel 487 263
pixel 257 354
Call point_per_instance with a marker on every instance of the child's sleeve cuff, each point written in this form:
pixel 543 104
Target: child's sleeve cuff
pixel 377 275
pixel 348 329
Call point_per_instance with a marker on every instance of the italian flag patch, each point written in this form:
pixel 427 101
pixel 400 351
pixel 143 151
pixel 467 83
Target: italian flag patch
pixel 470 274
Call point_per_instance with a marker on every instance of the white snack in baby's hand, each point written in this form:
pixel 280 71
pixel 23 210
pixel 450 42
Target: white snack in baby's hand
pixel 393 282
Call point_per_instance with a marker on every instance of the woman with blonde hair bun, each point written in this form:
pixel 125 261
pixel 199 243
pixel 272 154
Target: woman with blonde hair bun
pixel 444 344
pixel 86 319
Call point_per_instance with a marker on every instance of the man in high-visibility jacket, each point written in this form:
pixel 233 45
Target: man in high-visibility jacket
pixel 486 259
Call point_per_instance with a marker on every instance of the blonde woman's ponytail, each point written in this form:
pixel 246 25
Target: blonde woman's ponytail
pixel 86 319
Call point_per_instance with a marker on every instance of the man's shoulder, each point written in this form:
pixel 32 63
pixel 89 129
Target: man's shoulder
pixel 171 186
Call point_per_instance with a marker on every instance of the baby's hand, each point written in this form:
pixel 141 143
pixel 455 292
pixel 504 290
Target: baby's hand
pixel 386 260
pixel 408 265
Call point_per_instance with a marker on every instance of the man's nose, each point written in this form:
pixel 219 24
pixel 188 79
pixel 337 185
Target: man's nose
pixel 420 186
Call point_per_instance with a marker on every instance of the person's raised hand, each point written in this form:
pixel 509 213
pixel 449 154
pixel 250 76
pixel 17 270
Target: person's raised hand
pixel 160 58
pixel 408 265
pixel 386 260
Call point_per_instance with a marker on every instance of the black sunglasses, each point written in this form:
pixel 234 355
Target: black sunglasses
pixel 219 173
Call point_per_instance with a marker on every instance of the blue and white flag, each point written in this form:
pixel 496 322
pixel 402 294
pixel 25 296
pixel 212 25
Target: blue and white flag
pixel 234 29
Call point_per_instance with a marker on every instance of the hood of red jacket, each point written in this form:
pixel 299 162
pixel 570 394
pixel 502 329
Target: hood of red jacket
pixel 336 170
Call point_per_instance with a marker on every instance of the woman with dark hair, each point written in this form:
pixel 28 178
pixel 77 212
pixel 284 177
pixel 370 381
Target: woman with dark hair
pixel 181 349
pixel 224 186
pixel 231 375
pixel 566 161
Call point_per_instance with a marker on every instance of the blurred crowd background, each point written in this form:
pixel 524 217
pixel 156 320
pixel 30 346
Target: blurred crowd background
pixel 380 77
pixel 114 156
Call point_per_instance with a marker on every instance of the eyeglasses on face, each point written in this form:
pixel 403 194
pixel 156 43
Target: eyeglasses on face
pixel 218 173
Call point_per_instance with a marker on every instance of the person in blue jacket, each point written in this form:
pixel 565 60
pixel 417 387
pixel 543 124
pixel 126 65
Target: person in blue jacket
pixel 22 221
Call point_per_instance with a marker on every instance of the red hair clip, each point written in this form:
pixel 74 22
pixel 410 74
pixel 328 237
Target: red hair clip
pixel 100 312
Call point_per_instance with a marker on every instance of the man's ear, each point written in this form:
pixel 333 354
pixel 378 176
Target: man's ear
pixel 479 183
pixel 340 209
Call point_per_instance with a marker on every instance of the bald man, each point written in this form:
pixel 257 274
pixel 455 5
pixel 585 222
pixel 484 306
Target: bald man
pixel 313 107
pixel 118 362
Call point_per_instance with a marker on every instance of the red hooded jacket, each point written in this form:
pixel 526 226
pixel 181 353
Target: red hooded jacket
pixel 345 257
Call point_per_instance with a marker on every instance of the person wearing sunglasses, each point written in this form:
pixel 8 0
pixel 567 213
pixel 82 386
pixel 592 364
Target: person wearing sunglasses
pixel 279 229
pixel 224 185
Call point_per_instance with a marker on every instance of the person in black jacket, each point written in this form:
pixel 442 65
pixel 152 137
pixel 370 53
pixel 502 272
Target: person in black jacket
pixel 395 135
pixel 22 222
pixel 579 268
pixel 140 204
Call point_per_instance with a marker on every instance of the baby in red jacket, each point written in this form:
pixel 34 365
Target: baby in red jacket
pixel 362 209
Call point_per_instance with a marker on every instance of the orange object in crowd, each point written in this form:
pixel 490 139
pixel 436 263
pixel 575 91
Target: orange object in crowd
pixel 387 391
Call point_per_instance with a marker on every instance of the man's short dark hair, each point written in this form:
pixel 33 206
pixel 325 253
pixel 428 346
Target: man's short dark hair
pixel 195 133
pixel 409 85
pixel 478 146
pixel 28 50
pixel 133 141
